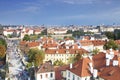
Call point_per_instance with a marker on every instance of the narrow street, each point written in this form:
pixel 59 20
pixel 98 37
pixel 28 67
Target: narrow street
pixel 16 68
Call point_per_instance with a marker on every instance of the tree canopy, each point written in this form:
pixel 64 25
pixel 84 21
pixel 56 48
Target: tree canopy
pixel 117 34
pixel 58 63
pixel 110 44
pixel 77 33
pixel 26 38
pixel 3 42
pixel 2 51
pixel 110 35
pixel 36 56
pixel 95 51
pixel 3 46
pixel 78 57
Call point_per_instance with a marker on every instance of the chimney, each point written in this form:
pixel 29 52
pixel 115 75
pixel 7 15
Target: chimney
pixel 107 62
pixel 115 62
pixel 95 72
pixel 71 65
pixel 73 46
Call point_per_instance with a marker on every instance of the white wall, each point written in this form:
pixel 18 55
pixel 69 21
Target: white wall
pixel 53 57
pixel 38 76
pixel 6 33
pixel 70 77
pixel 88 48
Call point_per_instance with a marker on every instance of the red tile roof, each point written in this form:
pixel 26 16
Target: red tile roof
pixel 23 42
pixel 46 67
pixel 99 60
pixel 81 68
pixel 58 71
pixel 110 73
pixel 86 42
pixel 63 51
pixel 29 44
pixel 98 42
pixel 33 44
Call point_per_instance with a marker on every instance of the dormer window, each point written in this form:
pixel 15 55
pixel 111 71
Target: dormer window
pixel 57 52
pixel 67 47
pixel 67 51
pixel 41 76
pixel 51 75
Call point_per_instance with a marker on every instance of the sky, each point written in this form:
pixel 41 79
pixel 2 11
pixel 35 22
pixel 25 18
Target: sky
pixel 59 12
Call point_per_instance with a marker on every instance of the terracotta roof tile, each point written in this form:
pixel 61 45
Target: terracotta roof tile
pixel 58 71
pixel 33 44
pixel 98 42
pixel 99 60
pixel 110 73
pixel 46 67
pixel 81 68
pixel 86 42
pixel 63 51
pixel 23 42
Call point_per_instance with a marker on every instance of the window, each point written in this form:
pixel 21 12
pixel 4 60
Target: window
pixel 46 75
pixel 41 76
pixel 51 75
pixel 68 74
pixel 73 77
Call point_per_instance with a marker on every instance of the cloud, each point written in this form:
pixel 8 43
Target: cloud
pixel 30 9
pixel 85 1
pixel 112 14
pixel 78 1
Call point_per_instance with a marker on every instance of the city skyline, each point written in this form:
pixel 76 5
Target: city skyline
pixel 60 12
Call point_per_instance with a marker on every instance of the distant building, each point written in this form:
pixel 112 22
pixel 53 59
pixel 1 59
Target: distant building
pixel 1 30
pixel 61 36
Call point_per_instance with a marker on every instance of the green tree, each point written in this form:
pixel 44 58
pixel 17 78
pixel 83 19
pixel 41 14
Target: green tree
pixel 9 36
pixel 78 57
pixel 110 35
pixel 88 32
pixel 3 42
pixel 110 44
pixel 71 59
pixel 69 32
pixel 33 37
pixel 77 33
pixel 58 63
pixel 117 34
pixel 95 51
pixel 44 32
pixel 36 56
pixel 26 38
pixel 3 47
